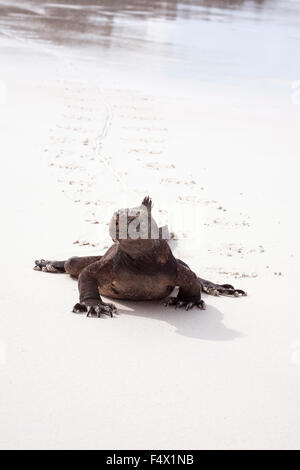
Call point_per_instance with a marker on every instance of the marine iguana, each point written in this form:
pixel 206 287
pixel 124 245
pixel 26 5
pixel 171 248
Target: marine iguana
pixel 138 266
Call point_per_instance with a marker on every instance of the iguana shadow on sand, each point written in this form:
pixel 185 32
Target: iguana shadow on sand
pixel 138 266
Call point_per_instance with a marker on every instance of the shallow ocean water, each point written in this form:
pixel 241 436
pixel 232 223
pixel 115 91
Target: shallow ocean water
pixel 212 40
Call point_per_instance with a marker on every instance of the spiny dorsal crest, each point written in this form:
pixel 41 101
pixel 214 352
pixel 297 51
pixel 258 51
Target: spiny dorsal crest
pixel 147 202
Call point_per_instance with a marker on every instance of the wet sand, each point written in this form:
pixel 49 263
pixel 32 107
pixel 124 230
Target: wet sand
pixel 188 102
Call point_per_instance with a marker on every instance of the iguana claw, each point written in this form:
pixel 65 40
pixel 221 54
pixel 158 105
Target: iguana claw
pixel 179 303
pixel 95 308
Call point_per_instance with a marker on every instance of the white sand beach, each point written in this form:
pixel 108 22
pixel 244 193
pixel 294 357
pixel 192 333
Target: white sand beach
pixel 88 128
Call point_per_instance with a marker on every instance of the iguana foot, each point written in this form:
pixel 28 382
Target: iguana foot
pixel 220 289
pixel 48 266
pixel 179 303
pixel 95 308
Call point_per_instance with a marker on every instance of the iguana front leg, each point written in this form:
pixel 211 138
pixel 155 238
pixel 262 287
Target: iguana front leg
pixel 89 299
pixel 189 294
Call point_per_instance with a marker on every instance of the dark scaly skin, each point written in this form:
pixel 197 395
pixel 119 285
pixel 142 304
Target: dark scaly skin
pixel 142 269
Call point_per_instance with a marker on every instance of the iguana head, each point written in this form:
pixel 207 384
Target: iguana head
pixel 128 226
